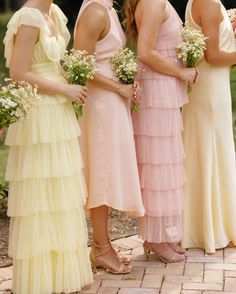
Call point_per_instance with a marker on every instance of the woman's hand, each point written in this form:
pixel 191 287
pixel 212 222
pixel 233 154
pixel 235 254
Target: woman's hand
pixel 126 91
pixel 129 91
pixel 189 75
pixel 76 92
pixel 137 92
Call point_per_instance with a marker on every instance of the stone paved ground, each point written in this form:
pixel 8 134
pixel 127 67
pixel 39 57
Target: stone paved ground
pixel 199 274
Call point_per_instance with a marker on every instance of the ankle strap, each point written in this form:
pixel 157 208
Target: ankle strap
pixel 104 248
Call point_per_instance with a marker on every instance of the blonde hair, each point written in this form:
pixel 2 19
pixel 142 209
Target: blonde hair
pixel 130 24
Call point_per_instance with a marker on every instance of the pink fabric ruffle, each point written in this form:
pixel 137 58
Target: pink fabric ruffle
pixel 158 122
pixel 159 94
pixel 161 177
pixel 160 229
pixel 160 203
pixel 160 150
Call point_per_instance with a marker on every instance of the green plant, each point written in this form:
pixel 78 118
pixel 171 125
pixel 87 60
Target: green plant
pixel 4 18
pixel 3 198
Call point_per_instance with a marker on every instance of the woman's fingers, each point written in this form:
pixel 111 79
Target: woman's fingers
pixel 137 91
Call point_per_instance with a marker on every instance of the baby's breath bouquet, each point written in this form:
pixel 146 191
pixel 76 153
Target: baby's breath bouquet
pixel 79 67
pixel 17 100
pixel 192 48
pixel 232 17
pixel 125 67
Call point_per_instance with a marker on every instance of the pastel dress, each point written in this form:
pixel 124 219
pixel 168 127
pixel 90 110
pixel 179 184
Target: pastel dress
pixel 159 145
pixel 107 140
pixel 210 191
pixel 48 234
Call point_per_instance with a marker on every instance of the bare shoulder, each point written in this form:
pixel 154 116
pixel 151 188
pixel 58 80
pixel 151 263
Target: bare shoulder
pixel 93 18
pixel 208 5
pixel 211 10
pixel 94 12
pixel 153 4
pixel 153 7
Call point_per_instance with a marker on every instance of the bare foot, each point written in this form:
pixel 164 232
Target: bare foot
pixel 230 245
pixel 177 248
pixel 166 253
pixel 109 260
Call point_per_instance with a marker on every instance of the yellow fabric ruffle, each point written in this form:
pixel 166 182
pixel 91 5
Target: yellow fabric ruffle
pixel 33 17
pixel 60 159
pixel 42 233
pixel 32 196
pixel 54 272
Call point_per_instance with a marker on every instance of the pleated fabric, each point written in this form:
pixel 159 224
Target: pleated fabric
pixel 210 192
pixel 48 233
pixel 159 146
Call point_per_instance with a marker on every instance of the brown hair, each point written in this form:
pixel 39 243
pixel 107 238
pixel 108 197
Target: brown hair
pixel 130 24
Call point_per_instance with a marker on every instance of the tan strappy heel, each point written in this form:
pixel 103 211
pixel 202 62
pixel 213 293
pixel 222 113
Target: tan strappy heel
pixel 123 269
pixel 122 259
pixel 148 249
pixel 177 248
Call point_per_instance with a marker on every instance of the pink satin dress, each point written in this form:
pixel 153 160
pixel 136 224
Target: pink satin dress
pixel 107 140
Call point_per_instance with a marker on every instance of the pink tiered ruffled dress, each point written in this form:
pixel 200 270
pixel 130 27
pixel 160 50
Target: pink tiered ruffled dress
pixel 160 152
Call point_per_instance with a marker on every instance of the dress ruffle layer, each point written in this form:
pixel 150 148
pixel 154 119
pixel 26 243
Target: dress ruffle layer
pixel 54 272
pixel 42 233
pixel 61 159
pixel 158 122
pixel 32 196
pixel 50 122
pixel 160 229
pixel 160 150
pixel 161 177
pixel 159 96
pixel 163 203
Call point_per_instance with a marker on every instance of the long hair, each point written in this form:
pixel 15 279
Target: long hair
pixel 130 24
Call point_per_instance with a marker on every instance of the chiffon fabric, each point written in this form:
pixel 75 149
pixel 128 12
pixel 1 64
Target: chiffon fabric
pixel 159 146
pixel 48 234
pixel 210 191
pixel 107 141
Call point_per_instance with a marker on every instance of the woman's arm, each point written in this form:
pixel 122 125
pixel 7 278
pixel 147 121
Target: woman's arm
pixel 93 26
pixel 155 12
pixel 208 14
pixel 20 66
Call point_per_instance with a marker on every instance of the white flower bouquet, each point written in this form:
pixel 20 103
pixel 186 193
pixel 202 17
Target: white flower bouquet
pixel 125 67
pixel 17 100
pixel 192 48
pixel 79 67
pixel 232 17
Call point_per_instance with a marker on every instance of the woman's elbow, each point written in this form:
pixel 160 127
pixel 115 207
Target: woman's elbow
pixel 16 75
pixel 211 58
pixel 143 56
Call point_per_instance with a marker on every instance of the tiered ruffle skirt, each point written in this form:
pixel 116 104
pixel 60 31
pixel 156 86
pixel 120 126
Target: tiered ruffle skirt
pixel 160 155
pixel 48 234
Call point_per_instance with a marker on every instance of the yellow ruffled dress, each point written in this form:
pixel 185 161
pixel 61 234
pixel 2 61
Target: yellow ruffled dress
pixel 48 234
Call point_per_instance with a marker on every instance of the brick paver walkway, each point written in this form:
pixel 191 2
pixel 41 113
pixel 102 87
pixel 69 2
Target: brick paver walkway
pixel 199 274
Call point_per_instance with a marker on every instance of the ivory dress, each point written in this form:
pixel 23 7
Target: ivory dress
pixel 210 191
pixel 48 234
pixel 107 141
pixel 159 146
